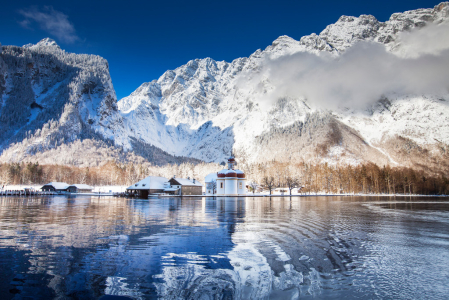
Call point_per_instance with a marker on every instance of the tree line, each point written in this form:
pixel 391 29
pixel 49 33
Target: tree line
pixel 366 178
pixel 111 173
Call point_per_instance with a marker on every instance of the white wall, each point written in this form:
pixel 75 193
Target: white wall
pixel 241 186
pixel 231 186
pixel 221 186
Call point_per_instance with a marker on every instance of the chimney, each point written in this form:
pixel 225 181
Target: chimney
pixel 193 180
pixel 188 178
pixel 174 176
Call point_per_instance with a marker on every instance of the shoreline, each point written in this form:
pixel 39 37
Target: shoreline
pixel 112 190
pixel 300 195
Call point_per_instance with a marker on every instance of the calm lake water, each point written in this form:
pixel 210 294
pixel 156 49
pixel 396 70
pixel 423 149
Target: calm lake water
pixel 233 248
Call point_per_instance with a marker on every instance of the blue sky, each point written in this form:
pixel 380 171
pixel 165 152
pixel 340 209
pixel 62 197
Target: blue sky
pixel 143 39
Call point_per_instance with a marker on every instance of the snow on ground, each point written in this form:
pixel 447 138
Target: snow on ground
pixel 276 193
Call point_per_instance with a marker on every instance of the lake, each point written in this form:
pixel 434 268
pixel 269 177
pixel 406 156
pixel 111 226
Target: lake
pixel 228 248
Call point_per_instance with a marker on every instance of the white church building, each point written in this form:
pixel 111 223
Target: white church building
pixel 227 182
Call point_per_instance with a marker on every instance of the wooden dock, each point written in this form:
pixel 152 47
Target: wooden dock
pixel 34 193
pixel 25 193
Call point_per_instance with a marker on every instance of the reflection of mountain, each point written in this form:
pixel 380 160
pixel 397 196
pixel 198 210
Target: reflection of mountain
pixel 275 254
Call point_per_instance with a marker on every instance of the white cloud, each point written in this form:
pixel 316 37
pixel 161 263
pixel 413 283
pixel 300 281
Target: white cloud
pixel 52 21
pixel 363 74
pixel 432 39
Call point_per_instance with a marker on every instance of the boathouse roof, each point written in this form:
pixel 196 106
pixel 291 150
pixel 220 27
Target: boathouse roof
pixel 81 186
pixel 186 182
pixel 150 183
pixel 57 185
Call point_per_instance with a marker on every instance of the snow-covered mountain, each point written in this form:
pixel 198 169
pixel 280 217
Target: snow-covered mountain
pixel 246 101
pixel 361 90
pixel 59 107
pixel 53 96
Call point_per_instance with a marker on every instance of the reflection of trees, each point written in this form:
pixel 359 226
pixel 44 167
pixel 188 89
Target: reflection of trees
pixel 81 221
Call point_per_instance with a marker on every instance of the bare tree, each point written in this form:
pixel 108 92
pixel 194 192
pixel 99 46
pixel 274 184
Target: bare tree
pixel 291 182
pixel 213 186
pixel 253 186
pixel 131 174
pixel 82 176
pixel 291 177
pixel 6 176
pixel 269 182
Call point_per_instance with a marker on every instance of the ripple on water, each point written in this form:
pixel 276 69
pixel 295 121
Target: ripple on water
pixel 253 248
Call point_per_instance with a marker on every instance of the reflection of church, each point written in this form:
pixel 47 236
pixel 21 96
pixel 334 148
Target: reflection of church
pixel 227 182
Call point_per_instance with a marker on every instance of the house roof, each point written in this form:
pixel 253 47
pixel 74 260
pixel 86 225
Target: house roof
pixel 151 182
pixel 210 177
pixel 189 182
pixel 80 186
pixel 57 185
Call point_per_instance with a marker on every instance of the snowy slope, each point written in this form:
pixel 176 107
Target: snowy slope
pixel 243 96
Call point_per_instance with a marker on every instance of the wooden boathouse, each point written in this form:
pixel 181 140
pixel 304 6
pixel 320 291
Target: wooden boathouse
pixel 55 187
pixel 147 186
pixel 186 187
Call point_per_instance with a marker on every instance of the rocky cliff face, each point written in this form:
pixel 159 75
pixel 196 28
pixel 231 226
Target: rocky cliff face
pixel 42 82
pixel 286 102
pixel 56 102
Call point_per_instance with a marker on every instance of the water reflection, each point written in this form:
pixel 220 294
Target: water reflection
pixel 233 248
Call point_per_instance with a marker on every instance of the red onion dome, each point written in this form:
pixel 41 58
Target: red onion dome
pixel 231 159
pixel 231 173
pixel 240 174
pixel 222 173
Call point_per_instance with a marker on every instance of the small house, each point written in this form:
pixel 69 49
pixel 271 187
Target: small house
pixel 187 186
pixel 79 188
pixel 55 187
pixel 147 186
pixel 211 183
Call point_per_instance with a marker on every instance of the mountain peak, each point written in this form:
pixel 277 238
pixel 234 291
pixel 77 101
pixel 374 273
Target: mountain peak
pixel 441 6
pixel 46 42
pixel 284 39
pixel 282 45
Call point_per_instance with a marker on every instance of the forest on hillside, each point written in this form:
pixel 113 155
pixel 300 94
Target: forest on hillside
pixel 310 178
